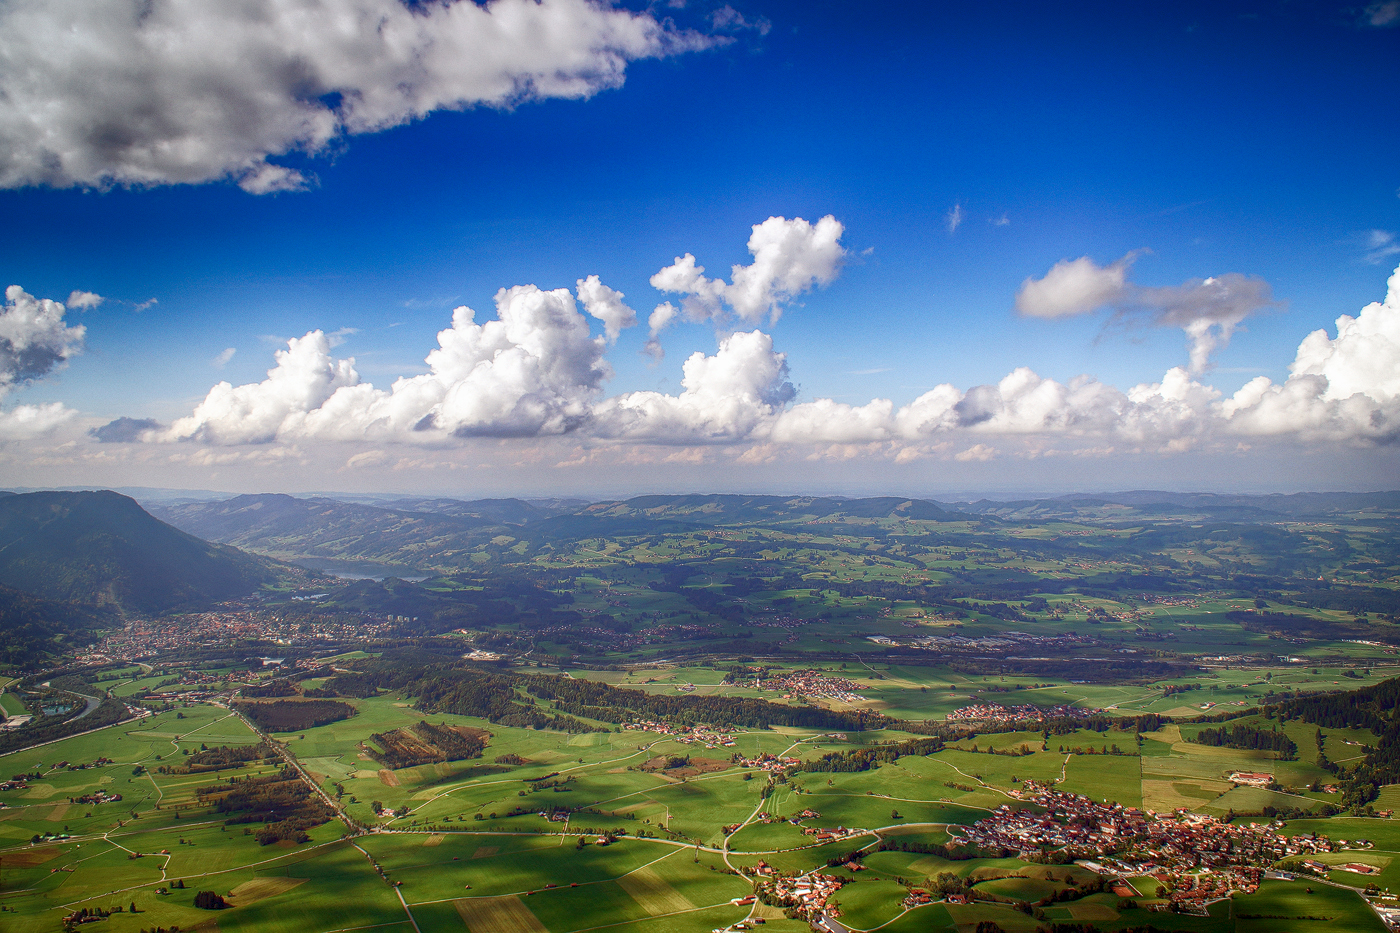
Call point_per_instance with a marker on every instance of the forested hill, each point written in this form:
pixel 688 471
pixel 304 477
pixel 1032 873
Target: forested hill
pixel 1376 708
pixel 102 549
pixel 32 628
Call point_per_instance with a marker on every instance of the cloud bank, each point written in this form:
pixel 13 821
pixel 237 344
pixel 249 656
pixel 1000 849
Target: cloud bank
pixel 153 92
pixel 537 371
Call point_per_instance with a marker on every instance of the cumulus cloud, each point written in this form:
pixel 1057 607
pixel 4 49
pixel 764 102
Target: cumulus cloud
pixel 34 339
pixel 150 92
pixel 84 300
pixel 789 257
pixel 726 397
pixel 1072 287
pixel 1208 310
pixel 532 371
pixel 606 305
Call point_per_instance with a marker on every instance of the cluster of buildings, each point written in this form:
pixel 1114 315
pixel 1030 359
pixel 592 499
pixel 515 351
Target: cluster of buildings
pixel 1002 642
pixel 147 638
pixel 1024 712
pixel 709 736
pixel 1175 602
pixel 809 893
pixel 765 761
pixel 1251 778
pixel 813 685
pixel 1196 858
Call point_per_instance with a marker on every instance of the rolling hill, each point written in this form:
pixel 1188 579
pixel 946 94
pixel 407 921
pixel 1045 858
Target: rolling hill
pixel 291 528
pixel 102 549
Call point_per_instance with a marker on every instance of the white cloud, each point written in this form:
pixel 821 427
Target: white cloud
pixel 33 338
pixel 1342 388
pixel 84 300
pixel 26 422
pixel 660 318
pixel 148 303
pixel 150 92
pixel 606 305
pixel 1208 310
pixel 789 257
pixel 1073 287
pixel 304 378
pixel 726 397
pixel 534 370
pixel 954 218
pixel 221 360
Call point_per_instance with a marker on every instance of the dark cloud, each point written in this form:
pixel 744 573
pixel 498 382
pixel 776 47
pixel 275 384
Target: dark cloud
pixel 124 430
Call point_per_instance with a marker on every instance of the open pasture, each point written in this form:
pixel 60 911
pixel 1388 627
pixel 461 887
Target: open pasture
pixel 1297 907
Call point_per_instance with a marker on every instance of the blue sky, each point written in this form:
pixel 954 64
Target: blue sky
pixel 1257 139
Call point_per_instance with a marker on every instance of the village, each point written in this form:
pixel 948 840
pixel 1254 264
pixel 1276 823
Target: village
pixel 709 736
pixel 1196 859
pixel 811 685
pixel 1025 712
pixel 148 638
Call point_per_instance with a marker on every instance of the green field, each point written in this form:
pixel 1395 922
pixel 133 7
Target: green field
pixel 671 871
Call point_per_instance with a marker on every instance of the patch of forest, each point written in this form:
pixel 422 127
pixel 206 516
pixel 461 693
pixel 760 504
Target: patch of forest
pixel 424 743
pixel 225 757
pixel 1372 708
pixel 281 802
pixel 1249 737
pixel 293 715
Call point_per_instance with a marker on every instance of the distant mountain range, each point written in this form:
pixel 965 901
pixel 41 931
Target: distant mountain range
pixel 405 536
pixel 435 533
pixel 101 549
pixel 1185 505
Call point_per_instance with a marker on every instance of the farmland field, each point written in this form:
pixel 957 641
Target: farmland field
pixel 684 727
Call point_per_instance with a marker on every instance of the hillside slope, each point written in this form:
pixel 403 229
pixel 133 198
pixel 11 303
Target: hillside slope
pixel 102 549
pixel 32 627
pixel 290 528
